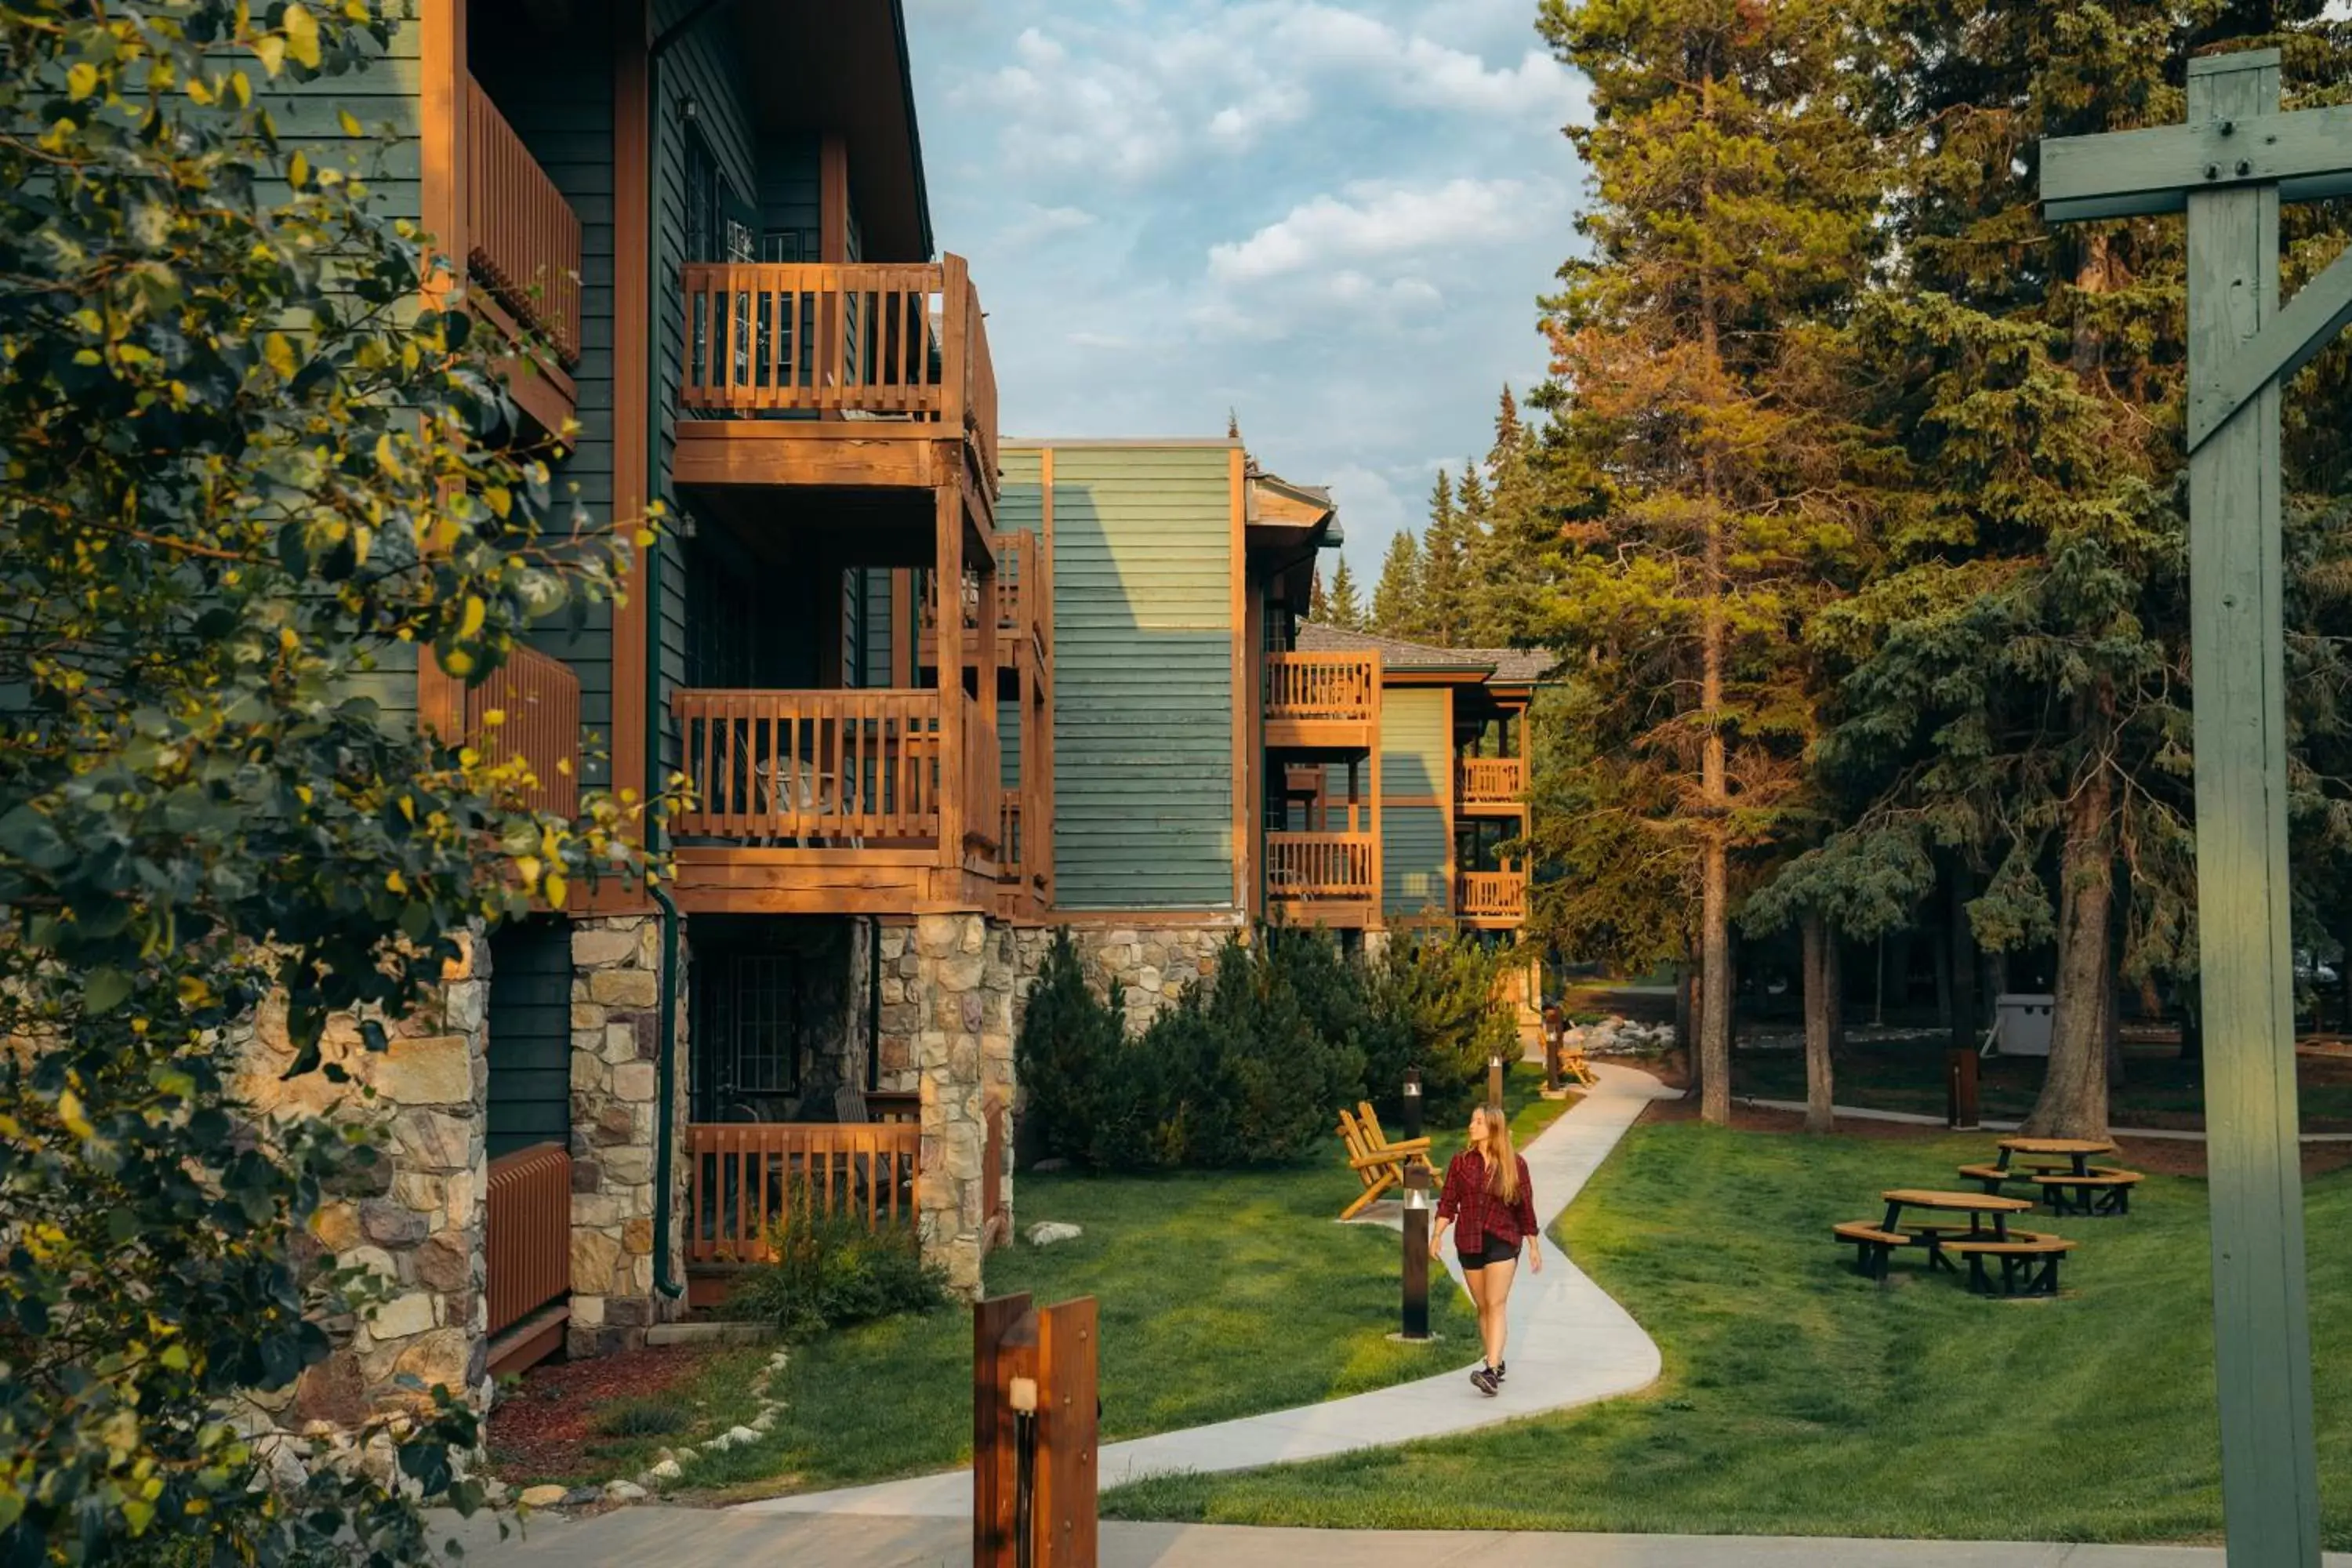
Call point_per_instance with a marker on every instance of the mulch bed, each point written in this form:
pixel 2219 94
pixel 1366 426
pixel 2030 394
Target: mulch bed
pixel 545 1427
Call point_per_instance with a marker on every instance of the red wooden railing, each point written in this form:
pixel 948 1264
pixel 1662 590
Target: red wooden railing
pixel 1318 865
pixel 1491 895
pixel 527 1233
pixel 1493 781
pixel 524 237
pixel 537 700
pixel 1322 686
pixel 835 764
pixel 740 1177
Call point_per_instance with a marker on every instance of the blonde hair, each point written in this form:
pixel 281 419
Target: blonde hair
pixel 1493 1146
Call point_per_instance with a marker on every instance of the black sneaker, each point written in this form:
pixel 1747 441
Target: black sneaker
pixel 1499 1372
pixel 1485 1380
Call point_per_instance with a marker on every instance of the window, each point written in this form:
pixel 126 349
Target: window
pixel 748 1034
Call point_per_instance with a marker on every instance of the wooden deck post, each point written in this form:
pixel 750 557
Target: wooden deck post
pixel 985 659
pixel 1378 920
pixel 952 802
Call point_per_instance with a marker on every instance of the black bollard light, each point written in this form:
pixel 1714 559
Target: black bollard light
pixel 1551 1032
pixel 1412 1103
pixel 1416 1252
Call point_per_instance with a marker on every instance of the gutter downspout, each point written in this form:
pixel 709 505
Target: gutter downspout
pixel 665 1087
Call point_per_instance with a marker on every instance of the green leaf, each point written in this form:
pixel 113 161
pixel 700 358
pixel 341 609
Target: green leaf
pixel 104 990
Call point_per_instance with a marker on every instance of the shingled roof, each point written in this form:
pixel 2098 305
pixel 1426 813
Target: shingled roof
pixel 1504 666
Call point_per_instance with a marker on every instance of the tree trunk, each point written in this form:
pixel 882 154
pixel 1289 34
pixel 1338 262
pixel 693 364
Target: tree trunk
pixel 1714 783
pixel 1818 1075
pixel 1968 1013
pixel 2073 1101
pixel 1834 987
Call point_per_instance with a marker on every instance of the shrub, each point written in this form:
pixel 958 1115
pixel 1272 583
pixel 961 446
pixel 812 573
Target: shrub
pixel 1064 1055
pixel 833 1270
pixel 1433 1007
pixel 650 1415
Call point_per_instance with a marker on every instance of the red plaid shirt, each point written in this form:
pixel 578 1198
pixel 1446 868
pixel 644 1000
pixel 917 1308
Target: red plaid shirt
pixel 1478 1212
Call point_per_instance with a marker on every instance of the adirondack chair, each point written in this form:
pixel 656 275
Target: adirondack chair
pixel 1377 1137
pixel 1378 1169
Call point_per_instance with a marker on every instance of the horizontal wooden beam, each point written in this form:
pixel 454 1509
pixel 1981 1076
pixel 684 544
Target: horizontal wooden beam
pixel 2289 340
pixel 2131 174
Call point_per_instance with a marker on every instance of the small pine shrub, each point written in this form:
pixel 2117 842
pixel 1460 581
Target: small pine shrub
pixel 1434 1007
pixel 832 1271
pixel 650 1415
pixel 1065 1058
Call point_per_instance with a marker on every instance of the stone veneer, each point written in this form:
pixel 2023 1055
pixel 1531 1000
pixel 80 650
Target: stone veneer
pixel 418 1222
pixel 615 1075
pixel 1150 964
pixel 947 1025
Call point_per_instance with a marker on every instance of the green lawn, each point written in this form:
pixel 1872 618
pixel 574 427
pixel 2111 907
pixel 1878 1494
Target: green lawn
pixel 1800 1399
pixel 1222 1294
pixel 2159 1089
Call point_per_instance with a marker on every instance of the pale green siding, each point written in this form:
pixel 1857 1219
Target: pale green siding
pixel 1414 852
pixel 1143 716
pixel 1413 743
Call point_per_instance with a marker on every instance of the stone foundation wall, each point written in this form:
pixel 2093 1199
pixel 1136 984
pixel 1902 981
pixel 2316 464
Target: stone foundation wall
pixel 418 1225
pixel 1150 964
pixel 948 1027
pixel 615 1075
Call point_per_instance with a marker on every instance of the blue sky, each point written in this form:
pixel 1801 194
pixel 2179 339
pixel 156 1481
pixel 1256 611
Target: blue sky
pixel 1332 218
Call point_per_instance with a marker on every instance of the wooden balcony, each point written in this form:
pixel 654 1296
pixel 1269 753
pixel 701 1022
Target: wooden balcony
pixel 827 802
pixel 1323 879
pixel 527 1247
pixel 1491 786
pixel 523 250
pixel 867 375
pixel 1024 604
pixel 535 702
pixel 1491 901
pixel 1322 701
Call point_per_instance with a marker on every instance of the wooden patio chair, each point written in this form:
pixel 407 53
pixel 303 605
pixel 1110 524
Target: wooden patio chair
pixel 1378 1169
pixel 1377 1140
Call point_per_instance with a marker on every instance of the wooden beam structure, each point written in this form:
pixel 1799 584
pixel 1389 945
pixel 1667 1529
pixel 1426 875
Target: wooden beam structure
pixel 2229 168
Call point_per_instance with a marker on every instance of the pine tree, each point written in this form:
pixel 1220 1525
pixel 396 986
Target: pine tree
pixel 1342 608
pixel 1731 224
pixel 1318 603
pixel 1440 613
pixel 1396 599
pixel 1517 552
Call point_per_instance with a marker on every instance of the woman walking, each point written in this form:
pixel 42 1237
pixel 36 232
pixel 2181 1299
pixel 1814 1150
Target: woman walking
pixel 1491 1205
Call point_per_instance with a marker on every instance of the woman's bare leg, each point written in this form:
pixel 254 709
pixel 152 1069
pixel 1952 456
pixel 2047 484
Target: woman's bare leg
pixel 1494 1309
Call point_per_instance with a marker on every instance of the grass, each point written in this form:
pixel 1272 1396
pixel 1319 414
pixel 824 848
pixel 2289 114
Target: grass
pixel 2159 1089
pixel 1800 1399
pixel 1222 1294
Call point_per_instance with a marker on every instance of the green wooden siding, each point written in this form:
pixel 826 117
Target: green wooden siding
pixel 530 1036
pixel 1414 746
pixel 1143 715
pixel 1413 856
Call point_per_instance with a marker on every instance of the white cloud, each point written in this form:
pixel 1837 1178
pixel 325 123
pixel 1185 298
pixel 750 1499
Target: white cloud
pixel 1379 220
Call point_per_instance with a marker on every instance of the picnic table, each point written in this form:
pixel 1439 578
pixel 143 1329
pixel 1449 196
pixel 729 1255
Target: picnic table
pixel 1976 1205
pixel 2076 1186
pixel 2076 1150
pixel 2029 1260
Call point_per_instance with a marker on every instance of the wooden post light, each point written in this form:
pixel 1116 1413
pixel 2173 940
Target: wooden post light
pixel 1416 1327
pixel 1412 1103
pixel 1495 1081
pixel 1553 1026
pixel 2229 168
pixel 1034 1418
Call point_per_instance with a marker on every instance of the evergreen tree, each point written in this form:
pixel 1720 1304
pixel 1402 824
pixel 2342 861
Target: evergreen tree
pixel 1442 610
pixel 1397 598
pixel 1517 550
pixel 1342 608
pixel 1731 226
pixel 1318 603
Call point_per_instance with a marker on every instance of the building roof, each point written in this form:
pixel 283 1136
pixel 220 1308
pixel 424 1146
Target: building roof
pixel 1503 665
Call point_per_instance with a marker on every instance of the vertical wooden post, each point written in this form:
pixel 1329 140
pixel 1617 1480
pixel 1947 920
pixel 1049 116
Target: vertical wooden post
pixel 1378 921
pixel 443 74
pixel 1066 1418
pixel 1041 833
pixel 992 1430
pixel 2262 1331
pixel 1248 660
pixel 984 656
pixel 952 802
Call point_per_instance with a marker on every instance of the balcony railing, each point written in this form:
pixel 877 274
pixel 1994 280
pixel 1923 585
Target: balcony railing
pixel 527 1241
pixel 1492 780
pixel 1308 687
pixel 1491 895
pixel 1318 866
pixel 829 769
pixel 524 237
pixel 1021 591
pixel 885 341
pixel 740 1180
pixel 537 700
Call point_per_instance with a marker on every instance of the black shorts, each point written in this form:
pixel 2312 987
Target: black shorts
pixel 1494 1250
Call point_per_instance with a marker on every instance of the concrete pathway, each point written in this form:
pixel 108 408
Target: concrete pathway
pixel 691 1538
pixel 1569 1345
pixel 1914 1119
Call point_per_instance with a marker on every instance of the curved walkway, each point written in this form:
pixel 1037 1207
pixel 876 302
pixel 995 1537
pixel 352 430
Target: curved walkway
pixel 1570 1345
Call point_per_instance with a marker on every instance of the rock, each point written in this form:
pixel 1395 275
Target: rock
pixel 720 1444
pixel 1044 1167
pixel 434 1070
pixel 402 1316
pixel 624 1492
pixel 1046 1233
pixel 684 1456
pixel 541 1496
pixel 766 1423
pixel 581 1497
pixel 667 1470
pixel 739 1436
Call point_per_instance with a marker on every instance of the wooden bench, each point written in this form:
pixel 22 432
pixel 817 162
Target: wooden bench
pixel 1872 1246
pixel 1379 1168
pixel 2029 1262
pixel 2103 1189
